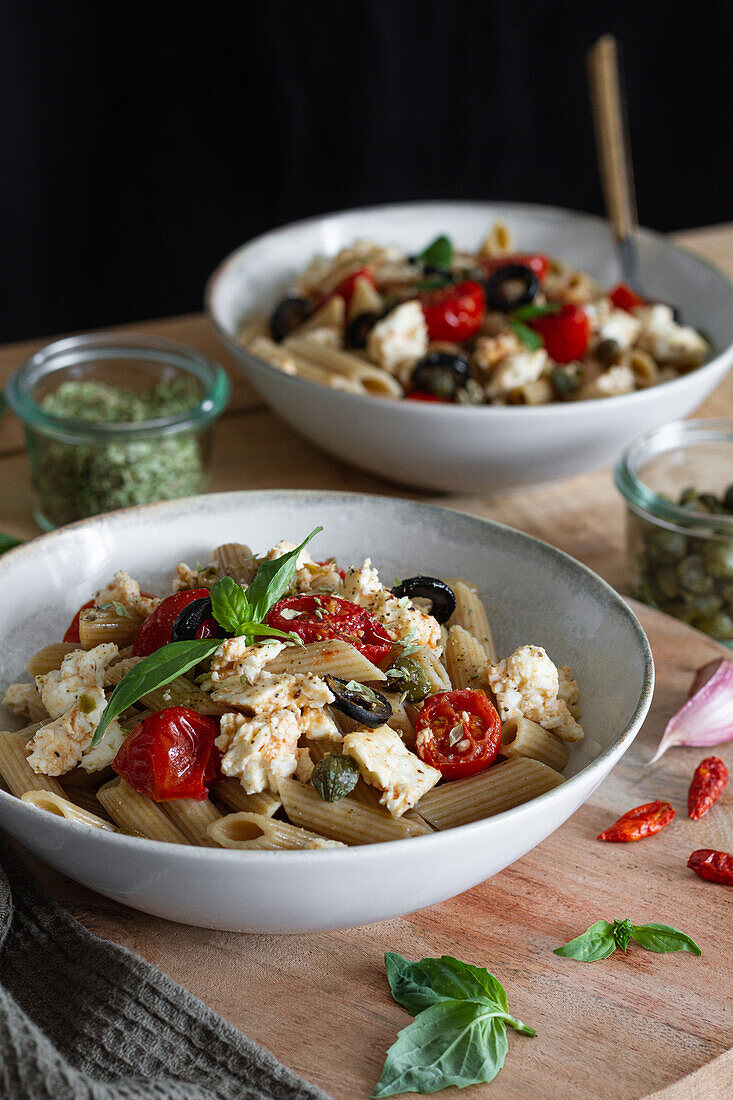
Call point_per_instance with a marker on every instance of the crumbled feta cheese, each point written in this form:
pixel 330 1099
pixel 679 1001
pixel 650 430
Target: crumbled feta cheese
pixel 526 684
pixel 103 753
pixel 24 700
pixel 620 326
pixel 516 370
pixel 401 335
pixel 259 751
pixel 676 345
pixel 304 769
pixel 567 687
pixel 123 589
pixel 60 745
pixel 310 575
pixel 385 763
pixel 185 578
pixel 490 350
pixel 235 657
pixel 81 670
pixel 613 382
pixel 399 617
pixel 317 724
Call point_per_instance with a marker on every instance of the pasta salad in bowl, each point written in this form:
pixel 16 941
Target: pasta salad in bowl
pixel 471 346
pixel 285 706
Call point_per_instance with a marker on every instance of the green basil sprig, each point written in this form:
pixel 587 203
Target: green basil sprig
pixel 458 1036
pixel 237 610
pixel 8 542
pixel 604 937
pixel 439 253
pixel 519 317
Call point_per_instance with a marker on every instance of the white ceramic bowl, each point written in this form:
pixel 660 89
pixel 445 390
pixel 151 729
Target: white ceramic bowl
pixel 534 592
pixel 450 447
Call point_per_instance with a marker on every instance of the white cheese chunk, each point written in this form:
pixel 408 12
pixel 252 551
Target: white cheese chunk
pixel 126 591
pixel 398 616
pixel 60 745
pixel 401 335
pixel 81 670
pixel 669 343
pixel 260 751
pixel 526 684
pixel 613 382
pixel 515 370
pixel 385 763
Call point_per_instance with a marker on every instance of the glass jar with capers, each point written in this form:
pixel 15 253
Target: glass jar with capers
pixel 677 482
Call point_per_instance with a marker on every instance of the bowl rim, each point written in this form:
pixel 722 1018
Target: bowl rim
pixel 228 500
pixel 419 408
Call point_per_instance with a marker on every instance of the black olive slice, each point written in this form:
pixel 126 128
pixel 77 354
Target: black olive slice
pixel 193 615
pixel 357 701
pixel 429 588
pixel 287 315
pixel 358 329
pixel 512 273
pixel 441 373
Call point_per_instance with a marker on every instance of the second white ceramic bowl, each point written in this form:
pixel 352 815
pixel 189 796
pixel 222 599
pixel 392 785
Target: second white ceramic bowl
pixel 533 593
pixel 451 447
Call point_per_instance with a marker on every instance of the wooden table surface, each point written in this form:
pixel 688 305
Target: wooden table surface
pixel 253 450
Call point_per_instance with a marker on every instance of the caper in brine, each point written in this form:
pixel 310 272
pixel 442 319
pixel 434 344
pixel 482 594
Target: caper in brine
pixel 667 583
pixel 719 558
pixel 708 502
pixel 718 625
pixel 704 605
pixel 667 547
pixel 693 575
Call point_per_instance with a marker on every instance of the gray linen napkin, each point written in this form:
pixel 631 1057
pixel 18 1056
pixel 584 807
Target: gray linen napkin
pixel 84 1019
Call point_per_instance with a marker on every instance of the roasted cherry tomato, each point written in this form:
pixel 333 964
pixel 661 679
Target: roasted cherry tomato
pixel 421 395
pixel 170 754
pixel 347 286
pixel 535 262
pixel 72 633
pixel 566 333
pixel 458 732
pixel 623 297
pixel 156 630
pixel 319 617
pixel 455 313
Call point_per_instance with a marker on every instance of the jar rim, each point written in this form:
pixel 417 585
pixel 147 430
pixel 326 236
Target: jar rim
pixel 116 345
pixel 644 500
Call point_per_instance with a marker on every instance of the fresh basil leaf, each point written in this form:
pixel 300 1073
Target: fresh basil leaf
pixel 7 542
pixel 530 311
pixel 153 672
pixel 273 578
pixel 435 282
pixel 417 985
pixel 595 943
pixel 229 605
pixel 451 1043
pixel 527 335
pixel 662 938
pixel 251 630
pixel 622 933
pixel 439 253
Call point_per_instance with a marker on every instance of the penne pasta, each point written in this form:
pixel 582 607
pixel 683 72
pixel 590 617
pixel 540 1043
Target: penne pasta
pixel 470 613
pixel 193 817
pixel 137 814
pixel 646 371
pixel 499 788
pixel 49 658
pixel 235 560
pixel 498 242
pixel 332 658
pixel 434 669
pixel 178 693
pixel 346 820
pixel 539 392
pixel 400 720
pixel 286 360
pixel 232 794
pixel 63 807
pixel 465 658
pixel 374 379
pixel 521 737
pixel 255 831
pixel 17 772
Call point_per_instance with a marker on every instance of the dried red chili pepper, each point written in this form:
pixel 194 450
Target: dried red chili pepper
pixel 713 866
pixel 706 787
pixel 640 822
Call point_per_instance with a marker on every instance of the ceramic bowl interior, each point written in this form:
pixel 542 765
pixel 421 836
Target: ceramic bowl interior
pixel 533 592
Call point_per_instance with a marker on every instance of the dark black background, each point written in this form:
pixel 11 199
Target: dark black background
pixel 140 142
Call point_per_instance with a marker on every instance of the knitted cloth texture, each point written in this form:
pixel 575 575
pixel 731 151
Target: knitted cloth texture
pixel 84 1019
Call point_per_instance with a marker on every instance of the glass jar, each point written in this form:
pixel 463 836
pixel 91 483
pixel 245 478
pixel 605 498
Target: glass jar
pixel 681 555
pixel 113 420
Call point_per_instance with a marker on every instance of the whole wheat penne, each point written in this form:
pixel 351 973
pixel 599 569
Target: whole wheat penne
pixel 80 779
pixel 332 314
pixel 521 737
pixel 17 772
pixel 498 242
pixel 49 658
pixel 104 624
pixel 248 831
pixel 434 669
pixel 86 797
pixel 136 813
pixel 193 817
pixel 470 613
pixel 289 362
pixel 334 658
pixel 180 692
pixel 63 807
pixel 489 792
pixel 400 720
pixel 374 379
pixel 465 658
pixel 234 559
pixel 252 327
pixel 232 794
pixel 346 820
pixel 365 299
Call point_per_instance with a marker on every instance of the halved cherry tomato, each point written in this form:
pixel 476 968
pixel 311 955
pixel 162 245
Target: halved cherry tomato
pixel 156 630
pixel 347 286
pixel 623 297
pixel 458 732
pixel 455 313
pixel 72 632
pixel 170 754
pixel 421 395
pixel 535 262
pixel 566 333
pixel 320 617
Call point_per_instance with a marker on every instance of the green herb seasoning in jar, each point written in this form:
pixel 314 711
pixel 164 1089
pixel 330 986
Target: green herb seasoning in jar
pixel 116 420
pixel 677 482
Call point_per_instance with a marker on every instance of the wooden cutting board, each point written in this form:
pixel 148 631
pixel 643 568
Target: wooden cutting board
pixel 620 1029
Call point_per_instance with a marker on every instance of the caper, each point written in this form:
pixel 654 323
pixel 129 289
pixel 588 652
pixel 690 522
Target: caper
pixel 667 547
pixel 335 776
pixel 565 380
pixel 718 625
pixel 405 674
pixel 693 576
pixel 608 352
pixel 704 605
pixel 710 503
pixel 688 495
pixel 667 583
pixel 719 558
